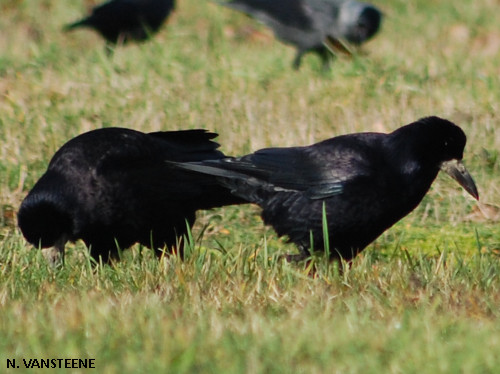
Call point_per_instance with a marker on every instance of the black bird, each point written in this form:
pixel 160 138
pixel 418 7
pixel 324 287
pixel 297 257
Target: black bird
pixel 121 21
pixel 320 26
pixel 365 182
pixel 112 187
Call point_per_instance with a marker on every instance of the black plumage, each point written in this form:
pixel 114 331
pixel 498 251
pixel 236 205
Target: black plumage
pixel 320 26
pixel 112 186
pixel 366 182
pixel 121 21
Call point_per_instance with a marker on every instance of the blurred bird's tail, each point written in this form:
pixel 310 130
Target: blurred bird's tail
pixel 82 23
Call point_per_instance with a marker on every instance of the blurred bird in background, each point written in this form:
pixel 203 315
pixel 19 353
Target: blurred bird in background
pixel 122 21
pixel 320 26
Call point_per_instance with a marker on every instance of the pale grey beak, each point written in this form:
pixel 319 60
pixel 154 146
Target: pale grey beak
pixel 55 255
pixel 457 170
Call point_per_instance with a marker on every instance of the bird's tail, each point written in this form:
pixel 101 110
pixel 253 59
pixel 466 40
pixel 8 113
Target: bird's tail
pixel 76 25
pixel 242 186
pixel 209 167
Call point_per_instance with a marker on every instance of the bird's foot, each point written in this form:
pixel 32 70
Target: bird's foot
pixel 296 257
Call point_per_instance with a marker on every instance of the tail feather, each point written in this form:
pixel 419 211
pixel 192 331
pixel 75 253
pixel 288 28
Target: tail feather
pixel 243 186
pixel 204 168
pixel 193 140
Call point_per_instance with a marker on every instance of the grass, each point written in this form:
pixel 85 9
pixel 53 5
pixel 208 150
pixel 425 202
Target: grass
pixel 423 298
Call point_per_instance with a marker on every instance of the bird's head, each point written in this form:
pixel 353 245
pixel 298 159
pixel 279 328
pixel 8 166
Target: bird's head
pixel 441 143
pixel 43 224
pixel 358 22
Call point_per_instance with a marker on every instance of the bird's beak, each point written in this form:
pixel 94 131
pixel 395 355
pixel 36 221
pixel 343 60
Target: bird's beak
pixel 337 45
pixel 457 170
pixel 55 255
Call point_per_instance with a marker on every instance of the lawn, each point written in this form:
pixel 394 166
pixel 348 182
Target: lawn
pixel 423 298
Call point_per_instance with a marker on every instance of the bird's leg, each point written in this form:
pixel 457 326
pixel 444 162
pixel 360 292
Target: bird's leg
pixel 326 57
pixel 296 257
pixel 60 244
pixel 109 49
pixel 297 60
pixel 301 256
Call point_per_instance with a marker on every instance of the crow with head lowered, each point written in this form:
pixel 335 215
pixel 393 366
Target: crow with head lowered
pixel 360 183
pixel 111 187
pixel 122 21
pixel 320 26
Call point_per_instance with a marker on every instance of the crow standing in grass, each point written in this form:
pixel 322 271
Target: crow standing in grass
pixel 121 21
pixel 365 182
pixel 112 186
pixel 320 26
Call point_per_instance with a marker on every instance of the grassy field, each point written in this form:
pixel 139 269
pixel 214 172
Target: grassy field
pixel 424 298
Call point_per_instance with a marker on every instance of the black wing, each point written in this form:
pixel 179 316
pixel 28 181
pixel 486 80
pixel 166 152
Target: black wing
pixel 320 170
